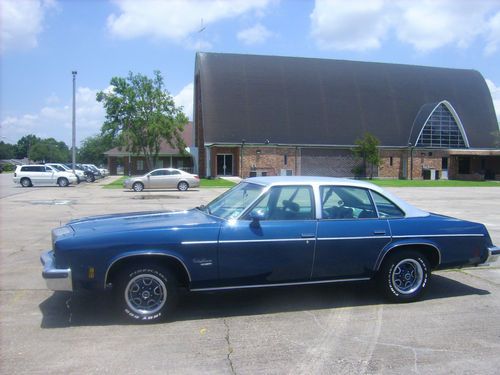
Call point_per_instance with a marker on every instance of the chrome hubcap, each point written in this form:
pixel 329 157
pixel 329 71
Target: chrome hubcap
pixel 146 294
pixel 407 276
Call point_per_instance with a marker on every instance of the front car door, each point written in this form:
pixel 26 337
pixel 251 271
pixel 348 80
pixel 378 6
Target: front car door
pixel 351 234
pixel 273 242
pixel 156 179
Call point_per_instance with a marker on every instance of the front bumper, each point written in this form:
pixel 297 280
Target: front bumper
pixel 493 254
pixel 56 278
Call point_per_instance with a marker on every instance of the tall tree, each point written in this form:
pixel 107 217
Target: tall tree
pixel 49 150
pixel 367 150
pixel 24 145
pixel 92 149
pixel 140 112
pixel 7 151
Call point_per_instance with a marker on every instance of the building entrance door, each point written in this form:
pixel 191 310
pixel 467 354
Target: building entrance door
pixel 224 165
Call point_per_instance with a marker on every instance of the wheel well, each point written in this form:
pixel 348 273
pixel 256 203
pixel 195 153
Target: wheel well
pixel 171 263
pixel 430 252
pixel 138 182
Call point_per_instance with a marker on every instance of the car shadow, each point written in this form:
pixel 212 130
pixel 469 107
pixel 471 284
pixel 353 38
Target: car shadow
pixel 64 309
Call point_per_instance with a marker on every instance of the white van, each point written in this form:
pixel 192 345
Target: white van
pixel 37 174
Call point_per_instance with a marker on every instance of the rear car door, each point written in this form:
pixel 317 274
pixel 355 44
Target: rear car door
pixel 351 234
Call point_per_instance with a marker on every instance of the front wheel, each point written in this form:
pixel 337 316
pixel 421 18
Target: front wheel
pixel 63 182
pixel 404 276
pixel 138 186
pixel 146 293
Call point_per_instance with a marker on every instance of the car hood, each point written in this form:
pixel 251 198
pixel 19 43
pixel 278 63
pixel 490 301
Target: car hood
pixel 140 221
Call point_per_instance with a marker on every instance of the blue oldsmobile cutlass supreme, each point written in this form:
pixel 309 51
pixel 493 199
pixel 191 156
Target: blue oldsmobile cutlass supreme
pixel 270 231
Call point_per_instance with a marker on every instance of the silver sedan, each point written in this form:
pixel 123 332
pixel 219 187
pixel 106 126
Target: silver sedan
pixel 163 178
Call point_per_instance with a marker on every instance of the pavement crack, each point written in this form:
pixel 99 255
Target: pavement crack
pixel 229 347
pixel 68 306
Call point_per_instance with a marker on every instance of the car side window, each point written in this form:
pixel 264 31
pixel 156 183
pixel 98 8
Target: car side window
pixel 175 172
pixel 386 209
pixel 346 202
pixel 157 173
pixel 286 203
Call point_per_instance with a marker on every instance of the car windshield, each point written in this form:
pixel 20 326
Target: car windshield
pixel 232 203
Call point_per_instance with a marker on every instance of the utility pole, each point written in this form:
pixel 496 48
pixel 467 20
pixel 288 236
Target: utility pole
pixel 73 143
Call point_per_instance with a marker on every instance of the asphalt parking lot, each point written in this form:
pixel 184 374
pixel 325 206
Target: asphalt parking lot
pixel 322 329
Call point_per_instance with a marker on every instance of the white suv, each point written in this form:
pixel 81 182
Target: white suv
pixel 80 175
pixel 36 174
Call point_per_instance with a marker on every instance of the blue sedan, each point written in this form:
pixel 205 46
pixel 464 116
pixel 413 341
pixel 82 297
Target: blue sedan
pixel 264 232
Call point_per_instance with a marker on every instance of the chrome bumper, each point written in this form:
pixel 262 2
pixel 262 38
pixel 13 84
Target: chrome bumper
pixel 55 278
pixel 493 253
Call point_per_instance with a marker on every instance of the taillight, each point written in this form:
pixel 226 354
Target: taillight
pixel 196 176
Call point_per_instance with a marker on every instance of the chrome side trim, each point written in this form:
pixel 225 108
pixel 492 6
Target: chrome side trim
pixel 438 235
pixel 198 242
pixel 279 284
pixel 380 260
pixel 270 240
pixel 352 238
pixel 144 254
pixel 57 279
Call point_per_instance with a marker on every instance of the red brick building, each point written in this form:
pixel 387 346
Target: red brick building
pixel 269 115
pixel 121 161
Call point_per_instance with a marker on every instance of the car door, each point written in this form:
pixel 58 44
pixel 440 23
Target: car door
pixel 47 175
pixel 273 243
pixel 350 235
pixel 156 179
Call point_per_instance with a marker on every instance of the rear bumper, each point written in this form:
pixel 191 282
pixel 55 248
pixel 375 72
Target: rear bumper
pixel 57 279
pixel 493 254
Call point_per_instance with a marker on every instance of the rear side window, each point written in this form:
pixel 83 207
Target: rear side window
pixel 32 168
pixel 386 209
pixel 346 202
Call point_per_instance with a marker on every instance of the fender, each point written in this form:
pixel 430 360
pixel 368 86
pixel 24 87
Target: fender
pixel 403 242
pixel 144 253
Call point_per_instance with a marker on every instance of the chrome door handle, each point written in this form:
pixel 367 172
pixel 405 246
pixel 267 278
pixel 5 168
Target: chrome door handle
pixel 379 233
pixel 307 235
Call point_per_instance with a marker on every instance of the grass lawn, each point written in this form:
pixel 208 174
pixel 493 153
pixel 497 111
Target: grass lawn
pixel 433 183
pixel 204 183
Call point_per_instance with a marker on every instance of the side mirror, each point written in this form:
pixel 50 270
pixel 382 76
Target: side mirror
pixel 256 217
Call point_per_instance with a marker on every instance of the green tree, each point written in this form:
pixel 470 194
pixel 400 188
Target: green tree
pixel 49 150
pixel 92 149
pixel 7 151
pixel 367 150
pixel 140 113
pixel 24 145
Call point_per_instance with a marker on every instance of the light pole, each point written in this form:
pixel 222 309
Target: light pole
pixel 73 138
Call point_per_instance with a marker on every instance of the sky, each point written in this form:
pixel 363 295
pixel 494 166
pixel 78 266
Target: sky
pixel 43 41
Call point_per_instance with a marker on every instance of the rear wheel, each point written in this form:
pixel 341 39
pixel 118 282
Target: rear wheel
pixel 146 293
pixel 63 182
pixel 26 182
pixel 89 178
pixel 182 186
pixel 404 276
pixel 138 186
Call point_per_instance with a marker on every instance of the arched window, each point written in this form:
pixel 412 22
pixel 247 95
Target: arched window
pixel 443 129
